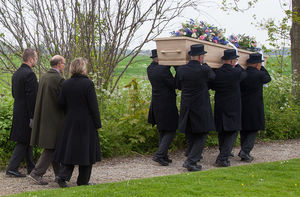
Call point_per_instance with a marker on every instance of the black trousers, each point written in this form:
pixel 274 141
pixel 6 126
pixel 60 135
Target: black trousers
pixel 226 143
pixel 247 140
pixel 44 162
pixel 21 150
pixel 65 173
pixel 195 144
pixel 165 140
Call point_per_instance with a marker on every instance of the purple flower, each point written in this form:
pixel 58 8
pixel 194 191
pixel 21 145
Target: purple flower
pixel 192 22
pixel 188 31
pixel 237 45
pixel 177 33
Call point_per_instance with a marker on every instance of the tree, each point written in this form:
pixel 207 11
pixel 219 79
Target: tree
pixel 102 31
pixel 295 43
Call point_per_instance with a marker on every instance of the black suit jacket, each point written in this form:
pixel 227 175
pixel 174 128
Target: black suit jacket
pixel 163 110
pixel 195 107
pixel 253 116
pixel 227 111
pixel 79 141
pixel 24 91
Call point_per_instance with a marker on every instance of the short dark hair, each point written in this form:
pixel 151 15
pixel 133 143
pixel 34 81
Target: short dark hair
pixel 56 60
pixel 28 53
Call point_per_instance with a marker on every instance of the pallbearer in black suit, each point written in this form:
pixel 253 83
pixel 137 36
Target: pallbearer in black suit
pixel 24 91
pixel 253 116
pixel 196 118
pixel 227 111
pixel 163 110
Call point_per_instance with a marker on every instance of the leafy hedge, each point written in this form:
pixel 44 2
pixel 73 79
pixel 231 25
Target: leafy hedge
pixel 124 116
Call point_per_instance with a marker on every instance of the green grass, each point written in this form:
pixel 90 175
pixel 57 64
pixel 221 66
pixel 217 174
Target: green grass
pixel 285 68
pixel 264 179
pixel 137 69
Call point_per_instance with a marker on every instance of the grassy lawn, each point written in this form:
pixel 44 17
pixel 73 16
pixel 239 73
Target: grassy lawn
pixel 137 69
pixel 264 179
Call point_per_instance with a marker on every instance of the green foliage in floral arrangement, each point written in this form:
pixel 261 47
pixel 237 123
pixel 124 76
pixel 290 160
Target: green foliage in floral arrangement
pixel 204 31
pixel 243 41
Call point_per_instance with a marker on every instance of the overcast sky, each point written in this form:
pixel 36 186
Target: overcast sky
pixel 234 22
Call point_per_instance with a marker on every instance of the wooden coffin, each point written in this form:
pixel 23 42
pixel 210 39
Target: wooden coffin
pixel 173 51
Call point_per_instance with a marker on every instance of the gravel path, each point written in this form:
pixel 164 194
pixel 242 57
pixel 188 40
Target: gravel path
pixel 119 169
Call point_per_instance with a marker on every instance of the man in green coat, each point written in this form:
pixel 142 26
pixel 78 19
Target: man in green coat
pixel 48 119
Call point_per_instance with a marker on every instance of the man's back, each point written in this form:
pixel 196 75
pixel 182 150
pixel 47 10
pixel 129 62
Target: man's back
pixel 45 130
pixel 24 91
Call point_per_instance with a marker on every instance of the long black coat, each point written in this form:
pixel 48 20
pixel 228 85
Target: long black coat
pixel 195 106
pixel 79 142
pixel 24 91
pixel 163 110
pixel 227 109
pixel 253 116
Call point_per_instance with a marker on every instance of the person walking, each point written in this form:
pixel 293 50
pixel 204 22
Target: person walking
pixel 163 110
pixel 79 142
pixel 196 118
pixel 253 116
pixel 24 91
pixel 48 119
pixel 227 110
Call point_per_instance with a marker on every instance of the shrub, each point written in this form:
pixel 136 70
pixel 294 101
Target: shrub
pixel 281 111
pixel 6 111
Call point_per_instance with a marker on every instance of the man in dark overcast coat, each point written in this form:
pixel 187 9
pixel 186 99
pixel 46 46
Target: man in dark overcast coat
pixel 227 111
pixel 196 118
pixel 24 91
pixel 48 119
pixel 163 110
pixel 253 116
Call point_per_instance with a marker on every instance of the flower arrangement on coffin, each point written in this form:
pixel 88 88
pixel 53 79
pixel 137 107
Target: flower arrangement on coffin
pixel 244 42
pixel 204 31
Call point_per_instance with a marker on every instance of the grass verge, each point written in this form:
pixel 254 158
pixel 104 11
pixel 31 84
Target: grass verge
pixel 264 179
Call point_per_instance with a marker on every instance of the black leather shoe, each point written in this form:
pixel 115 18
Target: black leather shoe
pixel 15 174
pixel 194 167
pixel 185 164
pixel 223 163
pixel 62 183
pixel 245 157
pixel 168 160
pixel 161 161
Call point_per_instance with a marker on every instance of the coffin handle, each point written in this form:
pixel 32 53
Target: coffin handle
pixel 176 51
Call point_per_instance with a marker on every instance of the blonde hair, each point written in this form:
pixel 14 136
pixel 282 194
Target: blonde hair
pixel 78 66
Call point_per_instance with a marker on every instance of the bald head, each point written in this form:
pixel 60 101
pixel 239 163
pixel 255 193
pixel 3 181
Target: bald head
pixel 56 59
pixel 58 62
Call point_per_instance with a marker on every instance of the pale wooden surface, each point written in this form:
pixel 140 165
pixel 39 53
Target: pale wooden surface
pixel 173 51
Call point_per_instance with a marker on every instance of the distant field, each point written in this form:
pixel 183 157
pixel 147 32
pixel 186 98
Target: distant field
pixel 138 69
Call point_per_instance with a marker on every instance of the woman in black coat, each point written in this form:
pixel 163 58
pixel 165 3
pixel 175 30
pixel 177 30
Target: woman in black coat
pixel 79 142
